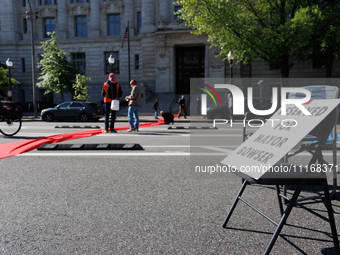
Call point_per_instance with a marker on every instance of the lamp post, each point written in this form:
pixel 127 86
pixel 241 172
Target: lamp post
pixel 31 17
pixel 260 83
pixel 231 58
pixel 111 60
pixel 9 65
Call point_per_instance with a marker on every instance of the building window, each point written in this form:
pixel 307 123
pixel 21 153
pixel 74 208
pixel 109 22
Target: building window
pixel 78 59
pixel 137 62
pixel 23 68
pixel 139 21
pixel 177 8
pixel 81 26
pixel 112 68
pixel 49 26
pixel 23 3
pixel 114 24
pixel 48 2
pixel 25 25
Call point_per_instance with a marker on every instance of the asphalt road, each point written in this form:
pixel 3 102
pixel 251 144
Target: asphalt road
pixel 144 201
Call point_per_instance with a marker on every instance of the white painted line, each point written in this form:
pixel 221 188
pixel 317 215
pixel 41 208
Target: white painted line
pixel 117 154
pixel 216 148
pixel 28 154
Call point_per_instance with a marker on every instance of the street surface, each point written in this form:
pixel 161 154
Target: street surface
pixel 144 201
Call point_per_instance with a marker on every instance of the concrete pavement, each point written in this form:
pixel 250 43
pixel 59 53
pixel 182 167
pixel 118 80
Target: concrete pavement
pixel 142 118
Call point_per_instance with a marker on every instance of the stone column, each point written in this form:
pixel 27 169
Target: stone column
pixel 172 81
pixel 62 20
pixel 95 19
pixel 206 62
pixel 148 16
pixel 164 10
pixel 129 15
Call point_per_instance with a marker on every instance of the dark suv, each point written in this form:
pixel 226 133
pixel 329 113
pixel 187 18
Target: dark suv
pixel 73 110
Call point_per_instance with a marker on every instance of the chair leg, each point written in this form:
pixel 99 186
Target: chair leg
pixel 284 218
pixel 279 198
pixel 235 203
pixel 331 216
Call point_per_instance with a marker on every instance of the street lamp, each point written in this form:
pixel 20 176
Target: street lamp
pixel 111 60
pixel 260 83
pixel 31 17
pixel 9 65
pixel 231 58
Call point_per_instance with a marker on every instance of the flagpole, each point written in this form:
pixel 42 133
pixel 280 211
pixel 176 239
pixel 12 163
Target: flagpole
pixel 129 53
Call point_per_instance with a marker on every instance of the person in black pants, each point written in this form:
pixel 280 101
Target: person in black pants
pixel 181 102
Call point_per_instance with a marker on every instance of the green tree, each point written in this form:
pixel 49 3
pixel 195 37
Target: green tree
pixel 327 33
pixel 272 31
pixel 4 80
pixel 81 90
pixel 57 73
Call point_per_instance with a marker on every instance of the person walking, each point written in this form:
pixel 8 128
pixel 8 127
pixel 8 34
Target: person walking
pixel 135 101
pixel 181 102
pixel 111 90
pixel 156 107
pixel 198 106
pixel 230 105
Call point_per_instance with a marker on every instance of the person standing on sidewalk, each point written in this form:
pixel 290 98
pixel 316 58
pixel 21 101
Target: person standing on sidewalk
pixel 156 107
pixel 230 105
pixel 135 101
pixel 111 90
pixel 181 102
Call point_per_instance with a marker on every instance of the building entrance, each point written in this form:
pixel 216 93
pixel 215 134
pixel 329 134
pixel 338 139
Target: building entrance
pixel 190 63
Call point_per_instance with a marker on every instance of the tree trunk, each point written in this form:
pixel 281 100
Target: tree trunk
pixel 329 62
pixel 285 67
pixel 62 95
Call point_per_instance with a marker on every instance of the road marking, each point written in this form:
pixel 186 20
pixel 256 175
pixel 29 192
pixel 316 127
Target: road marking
pixel 215 148
pixel 117 154
pixel 104 154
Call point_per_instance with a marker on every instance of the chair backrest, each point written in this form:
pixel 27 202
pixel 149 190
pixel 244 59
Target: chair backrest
pixel 318 92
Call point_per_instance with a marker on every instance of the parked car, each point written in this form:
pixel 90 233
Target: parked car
pixel 73 110
pixel 222 111
pixel 10 105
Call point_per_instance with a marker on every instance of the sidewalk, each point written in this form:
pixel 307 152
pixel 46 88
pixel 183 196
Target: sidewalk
pixel 142 118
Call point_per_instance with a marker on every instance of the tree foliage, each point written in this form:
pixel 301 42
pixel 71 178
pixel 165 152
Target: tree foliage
pixel 272 31
pixel 4 80
pixel 81 90
pixel 57 73
pixel 327 33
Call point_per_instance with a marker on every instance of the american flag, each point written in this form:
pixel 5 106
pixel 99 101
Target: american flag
pixel 126 35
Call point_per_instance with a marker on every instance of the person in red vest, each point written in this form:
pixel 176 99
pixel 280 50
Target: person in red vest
pixel 111 90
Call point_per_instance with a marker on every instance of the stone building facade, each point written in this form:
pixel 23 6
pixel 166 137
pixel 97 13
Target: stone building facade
pixel 163 52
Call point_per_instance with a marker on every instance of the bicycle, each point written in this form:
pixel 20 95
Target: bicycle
pixel 10 121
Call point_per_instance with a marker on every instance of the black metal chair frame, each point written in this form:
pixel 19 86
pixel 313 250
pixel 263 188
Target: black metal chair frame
pixel 303 179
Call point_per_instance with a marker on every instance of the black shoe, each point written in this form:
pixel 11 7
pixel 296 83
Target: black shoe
pixel 113 131
pixel 105 131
